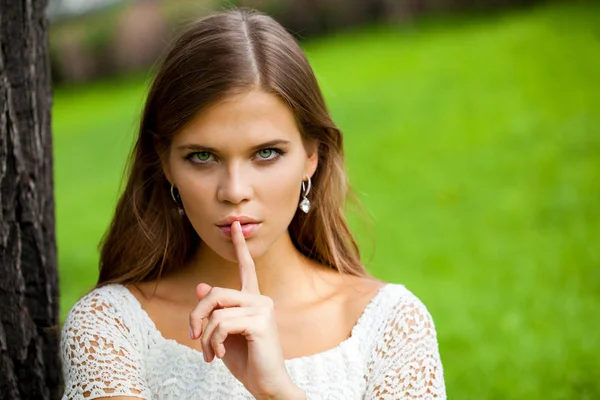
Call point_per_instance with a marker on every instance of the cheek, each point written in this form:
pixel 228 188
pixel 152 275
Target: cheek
pixel 279 192
pixel 198 198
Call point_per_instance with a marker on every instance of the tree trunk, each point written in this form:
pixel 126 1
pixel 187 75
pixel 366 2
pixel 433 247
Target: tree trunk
pixel 29 308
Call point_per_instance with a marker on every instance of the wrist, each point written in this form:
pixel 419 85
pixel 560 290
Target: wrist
pixel 289 392
pixel 293 393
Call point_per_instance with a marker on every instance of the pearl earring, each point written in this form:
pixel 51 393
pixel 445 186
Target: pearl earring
pixel 305 203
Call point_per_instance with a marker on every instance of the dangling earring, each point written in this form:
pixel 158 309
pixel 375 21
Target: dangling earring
pixel 177 200
pixel 305 203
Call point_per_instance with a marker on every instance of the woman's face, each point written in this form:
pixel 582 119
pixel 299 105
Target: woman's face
pixel 243 157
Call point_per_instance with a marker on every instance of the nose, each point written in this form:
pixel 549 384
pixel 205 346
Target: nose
pixel 234 187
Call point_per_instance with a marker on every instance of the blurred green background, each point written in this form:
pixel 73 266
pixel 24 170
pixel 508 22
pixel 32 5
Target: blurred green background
pixel 472 140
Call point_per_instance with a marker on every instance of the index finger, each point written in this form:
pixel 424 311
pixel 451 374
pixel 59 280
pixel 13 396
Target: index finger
pixel 246 263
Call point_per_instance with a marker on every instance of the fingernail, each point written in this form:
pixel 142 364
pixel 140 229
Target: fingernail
pixel 191 333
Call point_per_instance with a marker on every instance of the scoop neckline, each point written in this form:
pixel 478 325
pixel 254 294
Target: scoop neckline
pixel 358 325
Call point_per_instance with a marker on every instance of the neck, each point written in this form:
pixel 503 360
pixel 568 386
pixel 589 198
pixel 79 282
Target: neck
pixel 284 274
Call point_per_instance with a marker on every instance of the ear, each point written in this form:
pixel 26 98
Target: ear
pixel 167 171
pixel 164 163
pixel 312 151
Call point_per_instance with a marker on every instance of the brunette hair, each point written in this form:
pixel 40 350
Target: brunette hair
pixel 223 54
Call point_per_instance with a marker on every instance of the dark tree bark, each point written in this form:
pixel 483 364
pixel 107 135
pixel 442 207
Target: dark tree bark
pixel 29 311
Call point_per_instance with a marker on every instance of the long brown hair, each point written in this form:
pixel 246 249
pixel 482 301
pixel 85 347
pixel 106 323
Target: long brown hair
pixel 222 54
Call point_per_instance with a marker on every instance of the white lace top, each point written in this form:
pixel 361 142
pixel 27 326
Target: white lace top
pixel 111 347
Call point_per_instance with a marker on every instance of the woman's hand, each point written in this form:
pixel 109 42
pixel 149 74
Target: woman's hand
pixel 241 330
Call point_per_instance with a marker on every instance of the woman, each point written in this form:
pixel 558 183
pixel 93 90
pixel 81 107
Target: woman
pixel 233 210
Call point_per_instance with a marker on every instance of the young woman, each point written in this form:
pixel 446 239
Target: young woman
pixel 229 271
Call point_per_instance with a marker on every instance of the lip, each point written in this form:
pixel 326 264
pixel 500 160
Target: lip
pixel 247 229
pixel 249 225
pixel 242 218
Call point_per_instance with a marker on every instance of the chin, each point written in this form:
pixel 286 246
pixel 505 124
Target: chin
pixel 226 250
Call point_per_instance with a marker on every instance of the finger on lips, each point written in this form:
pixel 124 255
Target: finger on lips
pixel 229 311
pixel 247 269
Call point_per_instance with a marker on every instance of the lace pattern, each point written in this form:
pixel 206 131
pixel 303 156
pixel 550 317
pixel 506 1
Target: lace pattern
pixel 405 363
pixel 98 358
pixel 110 347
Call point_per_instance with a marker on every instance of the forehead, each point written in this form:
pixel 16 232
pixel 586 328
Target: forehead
pixel 239 120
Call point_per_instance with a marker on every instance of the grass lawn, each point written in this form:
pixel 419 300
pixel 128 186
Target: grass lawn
pixel 474 145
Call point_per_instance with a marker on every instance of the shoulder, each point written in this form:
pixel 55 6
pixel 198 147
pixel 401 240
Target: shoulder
pixel 97 300
pixel 399 297
pixel 101 323
pixel 102 309
pixel 398 314
pixel 388 298
pixel 402 307
pixel 384 303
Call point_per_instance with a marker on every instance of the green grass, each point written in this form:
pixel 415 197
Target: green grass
pixel 474 144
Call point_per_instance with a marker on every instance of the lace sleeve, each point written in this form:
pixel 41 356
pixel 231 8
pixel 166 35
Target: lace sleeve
pixel 98 355
pixel 406 363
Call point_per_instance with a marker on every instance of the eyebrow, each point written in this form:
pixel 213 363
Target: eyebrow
pixel 197 147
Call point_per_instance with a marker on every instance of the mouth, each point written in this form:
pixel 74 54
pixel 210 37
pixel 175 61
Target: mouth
pixel 249 225
pixel 248 229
